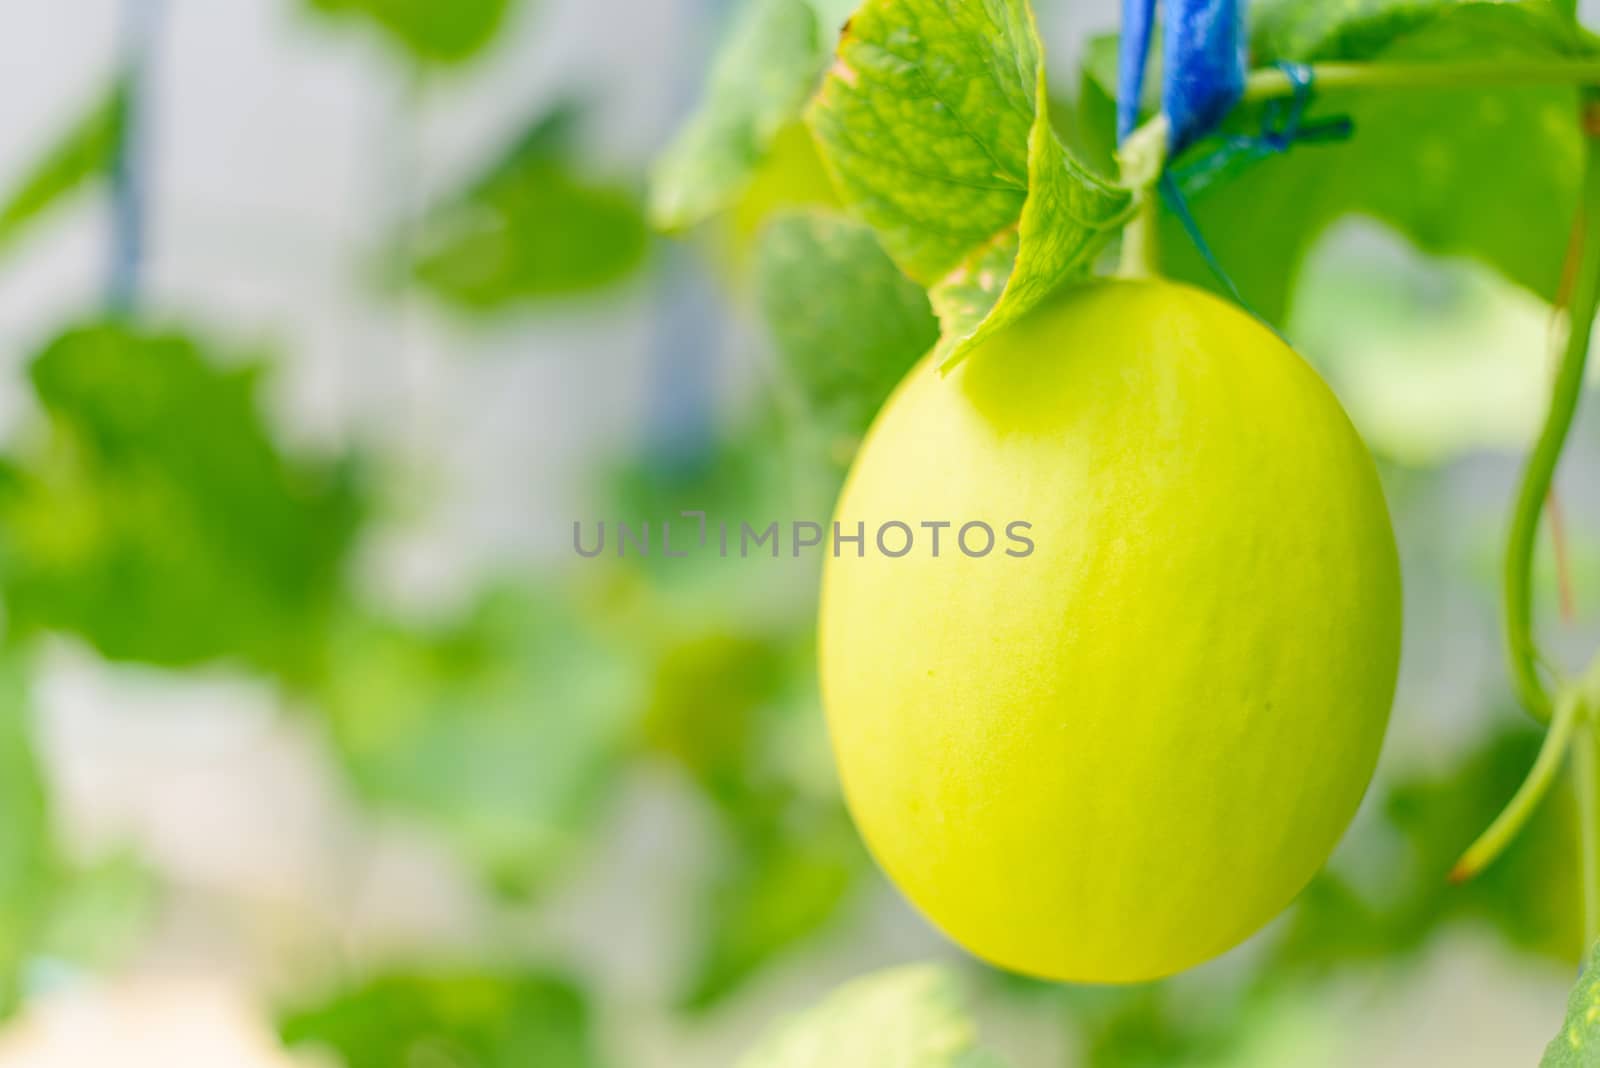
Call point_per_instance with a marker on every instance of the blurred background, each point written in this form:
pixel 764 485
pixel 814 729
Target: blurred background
pixel 323 321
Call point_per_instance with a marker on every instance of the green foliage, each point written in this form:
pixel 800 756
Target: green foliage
pixel 935 122
pixel 27 861
pixel 909 1017
pixel 501 730
pixel 466 1019
pixel 1531 894
pixel 1306 30
pixel 153 515
pixel 83 152
pixel 847 323
pixel 1578 1043
pixel 714 695
pixel 430 30
pixel 765 69
pixel 1385 898
pixel 733 706
pixel 149 511
pixel 779 885
pixel 1163 1026
pixel 50 910
pixel 529 227
pixel 98 913
pixel 737 714
pixel 790 858
pixel 1440 166
pixel 790 179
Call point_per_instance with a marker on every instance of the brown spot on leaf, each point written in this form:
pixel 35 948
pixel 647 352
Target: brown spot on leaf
pixel 1591 119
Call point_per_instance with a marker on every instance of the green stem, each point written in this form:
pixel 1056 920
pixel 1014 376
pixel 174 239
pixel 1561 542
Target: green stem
pixel 1272 83
pixel 1574 712
pixel 1141 249
pixel 1522 805
pixel 1587 769
pixel 1141 160
pixel 1541 469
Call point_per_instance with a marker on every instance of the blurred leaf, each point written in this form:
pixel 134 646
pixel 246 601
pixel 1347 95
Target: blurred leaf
pixel 502 731
pixel 728 708
pixel 1157 1026
pixel 529 227
pixel 98 913
pixel 709 695
pixel 50 913
pixel 1092 122
pixel 433 31
pixel 766 471
pixel 765 70
pixel 1530 895
pixel 909 1017
pixel 27 860
pixel 935 122
pixel 155 517
pixel 791 177
pixel 1578 1044
pixel 1383 899
pixel 459 1020
pixel 1438 165
pixel 734 706
pixel 774 893
pixel 847 323
pixel 1305 30
pixel 84 152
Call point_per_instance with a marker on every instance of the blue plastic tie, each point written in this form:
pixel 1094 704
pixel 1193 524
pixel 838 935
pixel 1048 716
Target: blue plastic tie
pixel 1283 126
pixel 1202 65
pixel 1138 23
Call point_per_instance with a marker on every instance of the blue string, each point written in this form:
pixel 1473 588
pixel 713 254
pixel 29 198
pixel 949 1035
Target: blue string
pixel 1283 126
pixel 1173 195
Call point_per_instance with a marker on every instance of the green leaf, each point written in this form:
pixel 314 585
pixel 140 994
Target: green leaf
pixel 847 324
pixel 481 1020
pixel 1578 1043
pixel 712 697
pixel 502 731
pixel 909 1017
pixel 1530 896
pixel 430 30
pixel 774 892
pixel 49 910
pixel 1440 166
pixel 98 913
pixel 1302 31
pixel 765 70
pixel 83 153
pixel 935 122
pixel 791 178
pixel 530 227
pixel 27 860
pixel 737 711
pixel 153 515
